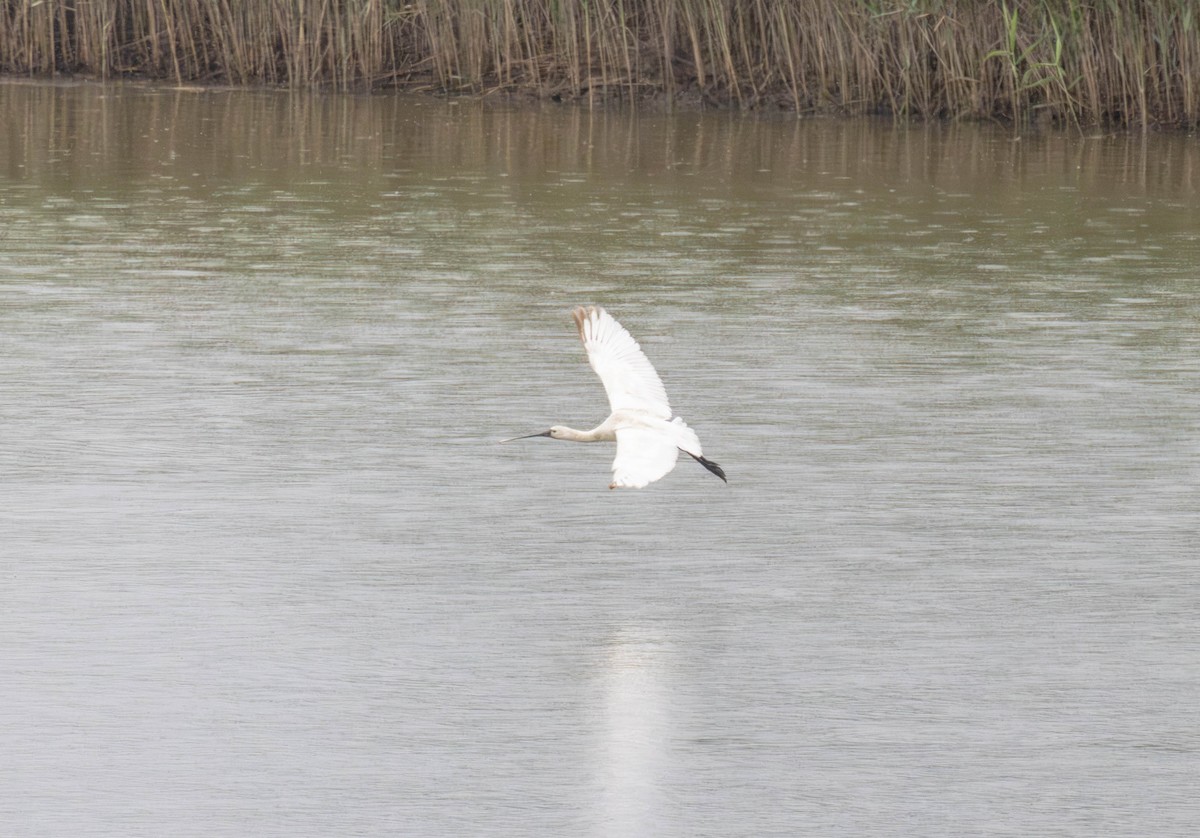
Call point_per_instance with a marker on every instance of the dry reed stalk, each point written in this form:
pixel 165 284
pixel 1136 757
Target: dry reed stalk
pixel 1103 61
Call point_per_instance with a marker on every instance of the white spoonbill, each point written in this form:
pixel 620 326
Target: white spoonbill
pixel 648 438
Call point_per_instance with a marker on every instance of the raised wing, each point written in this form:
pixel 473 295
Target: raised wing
pixel 628 378
pixel 643 456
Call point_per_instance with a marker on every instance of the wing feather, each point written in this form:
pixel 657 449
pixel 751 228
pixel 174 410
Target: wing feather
pixel 643 456
pixel 627 375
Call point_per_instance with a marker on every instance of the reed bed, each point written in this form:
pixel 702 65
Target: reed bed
pixel 1108 62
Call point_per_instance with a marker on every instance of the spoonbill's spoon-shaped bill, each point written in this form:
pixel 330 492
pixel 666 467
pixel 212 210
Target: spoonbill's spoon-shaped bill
pixel 526 436
pixel 648 438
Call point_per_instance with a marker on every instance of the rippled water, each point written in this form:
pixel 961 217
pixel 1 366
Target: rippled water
pixel 266 571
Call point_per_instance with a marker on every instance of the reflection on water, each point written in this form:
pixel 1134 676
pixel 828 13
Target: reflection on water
pixel 58 134
pixel 638 739
pixel 268 573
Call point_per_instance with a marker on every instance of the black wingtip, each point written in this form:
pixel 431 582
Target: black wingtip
pixel 710 465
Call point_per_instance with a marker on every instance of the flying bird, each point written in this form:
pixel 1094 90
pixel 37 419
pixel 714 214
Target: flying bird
pixel 648 438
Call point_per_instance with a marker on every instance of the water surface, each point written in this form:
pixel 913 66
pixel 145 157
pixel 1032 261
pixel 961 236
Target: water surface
pixel 266 571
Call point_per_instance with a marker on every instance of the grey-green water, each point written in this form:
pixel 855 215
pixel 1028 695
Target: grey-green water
pixel 265 571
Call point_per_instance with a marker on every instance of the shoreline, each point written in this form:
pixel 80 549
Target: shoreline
pixel 1128 64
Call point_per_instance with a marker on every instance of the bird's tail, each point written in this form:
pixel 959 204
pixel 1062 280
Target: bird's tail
pixel 689 444
pixel 685 438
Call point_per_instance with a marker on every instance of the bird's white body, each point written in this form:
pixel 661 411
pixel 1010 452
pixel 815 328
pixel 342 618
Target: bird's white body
pixel 647 445
pixel 648 438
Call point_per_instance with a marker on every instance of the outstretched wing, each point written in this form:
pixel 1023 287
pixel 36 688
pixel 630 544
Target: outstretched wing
pixel 628 378
pixel 643 456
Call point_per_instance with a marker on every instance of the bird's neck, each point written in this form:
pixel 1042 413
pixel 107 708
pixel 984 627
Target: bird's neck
pixel 594 435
